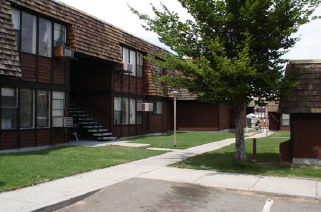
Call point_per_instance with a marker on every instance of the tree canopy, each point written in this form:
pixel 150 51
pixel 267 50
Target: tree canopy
pixel 231 50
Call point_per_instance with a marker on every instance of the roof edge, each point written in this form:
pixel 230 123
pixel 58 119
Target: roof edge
pixel 105 22
pixel 304 61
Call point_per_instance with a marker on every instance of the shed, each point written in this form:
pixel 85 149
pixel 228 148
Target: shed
pixel 304 106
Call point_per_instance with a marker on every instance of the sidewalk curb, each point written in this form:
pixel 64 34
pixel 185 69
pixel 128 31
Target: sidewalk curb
pixel 65 203
pixel 266 193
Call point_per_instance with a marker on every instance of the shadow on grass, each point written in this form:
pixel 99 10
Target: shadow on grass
pixel 266 164
pixel 151 136
pixel 2 184
pixel 37 152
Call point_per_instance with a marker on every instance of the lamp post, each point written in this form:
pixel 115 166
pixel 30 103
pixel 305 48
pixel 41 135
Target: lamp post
pixel 267 120
pixel 175 94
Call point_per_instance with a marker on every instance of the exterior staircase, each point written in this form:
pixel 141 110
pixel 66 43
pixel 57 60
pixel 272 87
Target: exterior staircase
pixel 89 126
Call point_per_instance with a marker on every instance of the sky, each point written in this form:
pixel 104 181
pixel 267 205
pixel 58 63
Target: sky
pixel 117 13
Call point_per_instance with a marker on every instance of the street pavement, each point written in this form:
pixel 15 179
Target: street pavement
pixel 145 195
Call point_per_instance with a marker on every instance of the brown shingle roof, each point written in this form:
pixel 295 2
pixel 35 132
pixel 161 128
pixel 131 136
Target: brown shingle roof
pixel 9 57
pixel 305 98
pixel 86 34
pixel 90 35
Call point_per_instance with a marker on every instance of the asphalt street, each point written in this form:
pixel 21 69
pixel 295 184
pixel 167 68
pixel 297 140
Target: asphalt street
pixel 145 195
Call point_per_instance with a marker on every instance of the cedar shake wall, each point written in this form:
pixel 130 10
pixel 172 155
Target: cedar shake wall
pixel 38 73
pixel 274 121
pixel 85 34
pixel 306 135
pixel 9 56
pixel 306 97
pixel 193 115
pixel 224 114
pixel 303 104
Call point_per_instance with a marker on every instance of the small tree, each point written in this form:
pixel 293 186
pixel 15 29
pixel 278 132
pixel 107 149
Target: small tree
pixel 234 49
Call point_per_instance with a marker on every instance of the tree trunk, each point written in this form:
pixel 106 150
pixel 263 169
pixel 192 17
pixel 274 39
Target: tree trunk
pixel 240 151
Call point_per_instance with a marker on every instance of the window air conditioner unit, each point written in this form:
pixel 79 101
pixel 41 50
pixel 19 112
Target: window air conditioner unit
pixel 63 52
pixel 124 67
pixel 146 107
pixel 62 122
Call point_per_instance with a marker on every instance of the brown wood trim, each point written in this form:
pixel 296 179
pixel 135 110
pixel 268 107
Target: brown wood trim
pixel 35 115
pixel 50 114
pixel 0 117
pixel 18 120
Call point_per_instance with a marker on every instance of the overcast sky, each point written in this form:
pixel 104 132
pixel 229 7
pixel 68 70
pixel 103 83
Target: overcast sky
pixel 116 12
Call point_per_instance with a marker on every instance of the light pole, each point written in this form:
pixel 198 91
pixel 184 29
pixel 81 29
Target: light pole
pixel 267 120
pixel 175 94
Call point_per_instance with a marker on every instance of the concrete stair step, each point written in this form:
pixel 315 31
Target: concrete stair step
pixel 88 123
pixel 102 134
pixel 85 119
pixel 76 111
pixel 97 130
pixel 107 138
pixel 93 126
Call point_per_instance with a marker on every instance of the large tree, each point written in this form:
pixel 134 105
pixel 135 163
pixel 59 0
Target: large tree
pixel 231 50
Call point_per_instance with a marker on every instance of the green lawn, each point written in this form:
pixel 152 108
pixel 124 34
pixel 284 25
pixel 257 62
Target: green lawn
pixel 24 169
pixel 184 139
pixel 281 134
pixel 222 160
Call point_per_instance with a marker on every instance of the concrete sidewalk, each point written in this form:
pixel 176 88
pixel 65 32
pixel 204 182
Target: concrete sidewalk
pixel 58 193
pixel 274 185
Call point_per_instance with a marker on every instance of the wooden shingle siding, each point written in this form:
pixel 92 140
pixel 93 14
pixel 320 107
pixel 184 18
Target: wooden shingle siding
pixel 139 86
pixel 44 66
pixel 306 97
pixel 132 85
pixel 28 66
pixel 132 130
pixel 28 139
pixel 59 136
pixel 59 72
pixel 139 129
pixel 86 34
pixel 43 137
pixel 126 80
pixel 9 140
pixel 9 57
pixel 155 123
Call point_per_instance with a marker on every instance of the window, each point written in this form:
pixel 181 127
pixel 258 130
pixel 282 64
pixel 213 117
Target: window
pixel 158 107
pixel 45 37
pixel 16 23
pixel 285 119
pixel 58 104
pixel 117 110
pixel 124 111
pixel 43 102
pixel 9 107
pixel 125 55
pixel 33 33
pixel 132 111
pixel 29 31
pixel 133 61
pixel 26 108
pixel 59 35
pixel 139 114
pixel 140 65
